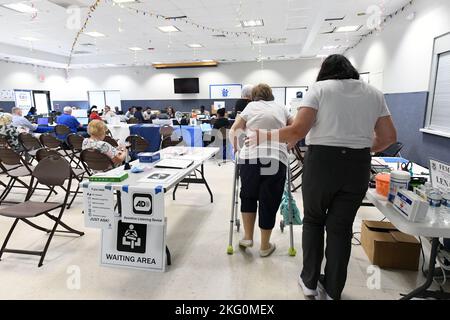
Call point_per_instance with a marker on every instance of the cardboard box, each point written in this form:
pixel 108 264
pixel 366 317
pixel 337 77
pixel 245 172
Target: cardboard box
pixel 389 248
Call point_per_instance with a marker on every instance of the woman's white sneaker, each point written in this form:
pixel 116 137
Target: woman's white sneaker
pixel 309 293
pixel 267 252
pixel 246 243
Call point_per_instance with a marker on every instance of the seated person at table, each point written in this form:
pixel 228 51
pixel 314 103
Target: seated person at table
pixel 171 112
pixel 20 122
pixel 67 119
pixel 139 115
pixel 148 114
pixel 97 131
pixel 94 114
pixel 222 121
pixel 108 113
pixel 32 112
pixel 130 112
pixel 9 131
pixel 203 112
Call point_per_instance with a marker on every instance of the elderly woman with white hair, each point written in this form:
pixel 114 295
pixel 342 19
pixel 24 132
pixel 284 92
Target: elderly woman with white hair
pixel 246 98
pixel 9 131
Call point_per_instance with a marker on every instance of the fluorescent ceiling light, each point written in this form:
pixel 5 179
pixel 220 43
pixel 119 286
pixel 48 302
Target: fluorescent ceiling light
pixel 169 29
pixel 207 60
pixel 348 29
pixel 94 34
pixel 20 7
pixel 135 49
pixel 110 65
pixel 322 56
pixel 259 41
pixel 29 39
pixel 194 45
pixel 330 47
pixel 252 23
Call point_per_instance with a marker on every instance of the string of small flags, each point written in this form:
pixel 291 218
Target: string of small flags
pixel 188 21
pixel 384 21
pixel 82 30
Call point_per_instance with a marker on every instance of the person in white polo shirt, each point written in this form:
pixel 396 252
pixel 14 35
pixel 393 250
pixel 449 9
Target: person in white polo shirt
pixel 343 119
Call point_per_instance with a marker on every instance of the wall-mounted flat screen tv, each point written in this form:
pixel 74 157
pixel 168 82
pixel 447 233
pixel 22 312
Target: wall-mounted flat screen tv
pixel 186 85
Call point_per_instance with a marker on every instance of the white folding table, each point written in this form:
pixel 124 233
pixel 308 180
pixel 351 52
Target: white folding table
pixel 427 229
pixel 197 155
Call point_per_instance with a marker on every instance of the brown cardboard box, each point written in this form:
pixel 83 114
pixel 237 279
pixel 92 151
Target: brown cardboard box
pixel 387 247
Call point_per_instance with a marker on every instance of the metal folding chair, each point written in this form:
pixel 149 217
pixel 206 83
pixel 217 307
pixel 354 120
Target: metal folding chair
pixel 52 171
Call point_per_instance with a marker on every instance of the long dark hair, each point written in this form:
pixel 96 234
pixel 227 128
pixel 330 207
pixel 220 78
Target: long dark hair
pixel 337 67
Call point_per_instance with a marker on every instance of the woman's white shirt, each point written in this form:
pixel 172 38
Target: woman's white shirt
pixel 266 115
pixel 347 112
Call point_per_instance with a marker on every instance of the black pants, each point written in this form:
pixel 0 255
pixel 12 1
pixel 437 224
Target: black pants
pixel 335 181
pixel 263 183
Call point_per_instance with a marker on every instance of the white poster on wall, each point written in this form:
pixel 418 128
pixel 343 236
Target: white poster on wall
pixel 7 95
pixel 23 100
pixel 294 94
pixel 225 91
pixel 279 93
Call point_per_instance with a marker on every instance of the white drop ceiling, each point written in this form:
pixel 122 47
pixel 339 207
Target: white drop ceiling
pixel 300 24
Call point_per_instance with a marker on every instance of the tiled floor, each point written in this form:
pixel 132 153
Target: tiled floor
pixel 197 237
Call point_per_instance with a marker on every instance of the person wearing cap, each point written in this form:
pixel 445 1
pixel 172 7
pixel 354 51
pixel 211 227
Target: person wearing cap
pixel 94 114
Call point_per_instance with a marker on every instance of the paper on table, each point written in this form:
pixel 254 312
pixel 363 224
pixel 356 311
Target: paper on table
pixel 156 176
pixel 174 163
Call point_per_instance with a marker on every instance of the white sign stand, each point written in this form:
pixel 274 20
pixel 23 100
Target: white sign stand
pixel 440 175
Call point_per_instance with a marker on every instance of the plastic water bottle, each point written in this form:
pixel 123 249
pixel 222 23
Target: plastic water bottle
pixel 435 202
pixel 446 207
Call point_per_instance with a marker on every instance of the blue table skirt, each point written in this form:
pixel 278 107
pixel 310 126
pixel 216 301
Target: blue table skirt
pixel 149 133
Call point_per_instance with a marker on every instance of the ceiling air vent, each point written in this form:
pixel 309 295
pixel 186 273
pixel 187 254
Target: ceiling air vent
pixel 219 36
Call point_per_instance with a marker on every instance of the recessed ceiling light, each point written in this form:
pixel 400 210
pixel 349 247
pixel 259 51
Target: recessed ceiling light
pixel 94 34
pixel 29 39
pixel 252 23
pixel 348 29
pixel 259 41
pixel 169 29
pixel 330 47
pixel 135 49
pixel 194 45
pixel 20 7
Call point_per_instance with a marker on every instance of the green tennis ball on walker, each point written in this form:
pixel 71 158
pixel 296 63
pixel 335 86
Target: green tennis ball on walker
pixel 292 252
pixel 230 250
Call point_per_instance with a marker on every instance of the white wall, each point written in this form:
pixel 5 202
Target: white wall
pixel 399 57
pixel 147 83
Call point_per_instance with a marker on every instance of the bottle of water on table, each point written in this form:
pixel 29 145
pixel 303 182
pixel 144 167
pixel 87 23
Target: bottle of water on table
pixel 435 202
pixel 446 207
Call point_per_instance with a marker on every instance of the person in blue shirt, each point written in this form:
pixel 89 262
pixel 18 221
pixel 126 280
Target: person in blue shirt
pixel 68 120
